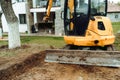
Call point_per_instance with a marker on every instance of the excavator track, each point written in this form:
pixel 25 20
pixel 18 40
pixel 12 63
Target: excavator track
pixel 84 57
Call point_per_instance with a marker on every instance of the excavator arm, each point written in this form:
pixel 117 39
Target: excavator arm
pixel 48 8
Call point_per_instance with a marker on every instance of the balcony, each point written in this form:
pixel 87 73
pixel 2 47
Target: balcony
pixel 42 4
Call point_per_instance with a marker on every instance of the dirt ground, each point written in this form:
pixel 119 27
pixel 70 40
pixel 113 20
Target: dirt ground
pixel 31 66
pixel 52 71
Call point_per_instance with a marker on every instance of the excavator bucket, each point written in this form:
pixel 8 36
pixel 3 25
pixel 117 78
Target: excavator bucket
pixel 96 58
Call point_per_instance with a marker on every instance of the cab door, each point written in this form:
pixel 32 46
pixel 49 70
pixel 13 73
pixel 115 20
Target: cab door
pixel 76 17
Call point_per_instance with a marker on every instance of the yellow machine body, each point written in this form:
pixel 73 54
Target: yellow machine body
pixel 94 36
pixel 88 35
pixel 99 30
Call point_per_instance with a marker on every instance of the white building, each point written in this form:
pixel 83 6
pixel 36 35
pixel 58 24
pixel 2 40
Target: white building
pixel 38 11
pixel 114 12
pixel 20 11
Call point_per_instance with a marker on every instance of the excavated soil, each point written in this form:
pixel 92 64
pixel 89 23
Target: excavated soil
pixel 32 67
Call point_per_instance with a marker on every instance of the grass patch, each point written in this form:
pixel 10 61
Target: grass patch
pixel 36 43
pixel 7 54
pixel 45 40
pixel 53 41
pixel 116 27
pixel 3 43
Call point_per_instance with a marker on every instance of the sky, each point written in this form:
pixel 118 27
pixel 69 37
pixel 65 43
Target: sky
pixel 115 1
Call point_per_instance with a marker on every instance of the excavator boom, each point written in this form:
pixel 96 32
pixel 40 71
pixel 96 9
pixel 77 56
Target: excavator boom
pixel 48 8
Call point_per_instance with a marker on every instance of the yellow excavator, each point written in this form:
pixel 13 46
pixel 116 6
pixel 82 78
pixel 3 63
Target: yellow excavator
pixel 88 36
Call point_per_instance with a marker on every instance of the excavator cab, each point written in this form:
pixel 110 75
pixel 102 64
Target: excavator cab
pixel 77 14
pixel 76 17
pixel 86 24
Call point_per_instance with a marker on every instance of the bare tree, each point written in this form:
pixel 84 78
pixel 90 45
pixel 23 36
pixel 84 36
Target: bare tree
pixel 12 21
pixel 29 17
pixel 0 25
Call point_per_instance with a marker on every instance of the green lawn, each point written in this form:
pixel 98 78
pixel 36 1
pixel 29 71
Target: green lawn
pixel 52 41
pixel 116 27
pixel 34 43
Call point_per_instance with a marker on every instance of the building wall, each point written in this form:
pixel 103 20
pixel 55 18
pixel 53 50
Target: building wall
pixel 115 17
pixel 19 8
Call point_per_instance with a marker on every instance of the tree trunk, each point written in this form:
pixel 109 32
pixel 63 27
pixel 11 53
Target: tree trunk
pixel 1 26
pixel 29 16
pixel 13 34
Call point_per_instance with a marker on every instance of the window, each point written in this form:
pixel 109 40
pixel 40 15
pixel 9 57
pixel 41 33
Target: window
pixel 20 0
pixel 101 26
pixel 81 6
pixel 22 18
pixel 98 7
pixel 116 16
